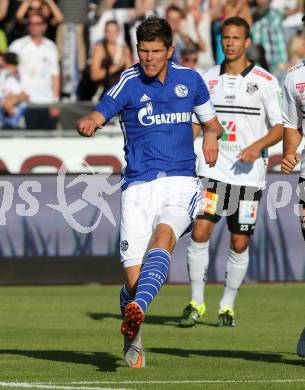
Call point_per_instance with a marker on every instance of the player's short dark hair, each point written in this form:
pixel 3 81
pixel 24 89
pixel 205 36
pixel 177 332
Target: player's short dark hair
pixel 237 21
pixel 154 28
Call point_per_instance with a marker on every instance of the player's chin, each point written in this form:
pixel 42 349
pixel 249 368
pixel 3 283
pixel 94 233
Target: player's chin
pixel 230 56
pixel 150 72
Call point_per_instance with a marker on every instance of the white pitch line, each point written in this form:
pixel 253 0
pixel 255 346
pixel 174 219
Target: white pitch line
pixel 189 382
pixel 79 385
pixel 25 385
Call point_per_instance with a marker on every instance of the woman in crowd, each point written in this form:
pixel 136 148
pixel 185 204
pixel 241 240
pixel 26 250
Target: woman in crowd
pixel 109 58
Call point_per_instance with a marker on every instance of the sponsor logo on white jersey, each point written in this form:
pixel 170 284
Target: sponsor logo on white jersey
pixel 230 98
pixel 212 84
pixel 181 90
pixel 300 87
pixel 146 117
pixel 229 138
pixel 252 88
pixel 229 133
pixel 262 74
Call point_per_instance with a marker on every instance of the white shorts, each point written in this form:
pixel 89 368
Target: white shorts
pixel 171 200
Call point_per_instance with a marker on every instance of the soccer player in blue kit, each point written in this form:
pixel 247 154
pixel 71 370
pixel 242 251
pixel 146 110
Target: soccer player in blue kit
pixel 160 192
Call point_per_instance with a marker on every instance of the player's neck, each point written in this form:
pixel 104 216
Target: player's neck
pixel 236 67
pixel 163 73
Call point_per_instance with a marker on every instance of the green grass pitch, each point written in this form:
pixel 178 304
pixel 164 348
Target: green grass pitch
pixel 68 338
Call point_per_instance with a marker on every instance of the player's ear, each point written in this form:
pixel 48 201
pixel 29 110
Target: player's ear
pixel 248 42
pixel 170 51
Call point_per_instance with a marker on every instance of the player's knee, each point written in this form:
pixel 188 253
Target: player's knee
pixel 200 236
pixel 239 245
pixel 164 237
pixel 200 233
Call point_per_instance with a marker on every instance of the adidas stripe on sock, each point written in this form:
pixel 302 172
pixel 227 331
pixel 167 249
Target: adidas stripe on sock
pixel 152 276
pixel 125 298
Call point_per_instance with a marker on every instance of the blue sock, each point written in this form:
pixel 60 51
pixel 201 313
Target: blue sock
pixel 125 298
pixel 152 277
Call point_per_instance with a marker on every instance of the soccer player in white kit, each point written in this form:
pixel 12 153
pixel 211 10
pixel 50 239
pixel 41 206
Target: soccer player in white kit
pixel 156 99
pixel 294 131
pixel 247 100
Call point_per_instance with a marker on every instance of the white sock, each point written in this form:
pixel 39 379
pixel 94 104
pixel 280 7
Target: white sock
pixel 236 270
pixel 198 262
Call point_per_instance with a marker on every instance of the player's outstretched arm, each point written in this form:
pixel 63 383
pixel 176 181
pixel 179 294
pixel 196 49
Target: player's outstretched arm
pixel 212 132
pixel 253 151
pixel 88 124
pixel 291 140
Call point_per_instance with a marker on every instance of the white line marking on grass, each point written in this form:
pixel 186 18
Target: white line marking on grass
pixel 25 385
pixel 183 382
pixel 80 385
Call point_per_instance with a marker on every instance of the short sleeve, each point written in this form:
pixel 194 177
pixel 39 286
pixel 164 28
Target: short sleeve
pixel 274 103
pixel 114 100
pixel 202 93
pixel 204 109
pixel 292 113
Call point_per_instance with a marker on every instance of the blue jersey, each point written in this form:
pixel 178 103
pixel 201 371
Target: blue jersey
pixel 156 119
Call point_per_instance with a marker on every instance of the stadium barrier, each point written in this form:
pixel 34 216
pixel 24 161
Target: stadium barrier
pixel 46 151
pixel 65 229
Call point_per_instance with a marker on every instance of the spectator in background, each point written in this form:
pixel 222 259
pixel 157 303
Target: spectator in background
pixel 175 17
pixel 39 70
pixel 105 13
pixel 3 11
pixel 38 67
pixel 292 12
pixel 12 96
pixel 256 54
pixel 2 61
pixel 126 13
pixel 216 9
pixel 237 8
pixel 296 50
pixel 296 54
pixel 70 40
pixel 197 26
pixel 47 8
pixel 267 30
pixel 109 58
pixel 3 8
pixel 189 56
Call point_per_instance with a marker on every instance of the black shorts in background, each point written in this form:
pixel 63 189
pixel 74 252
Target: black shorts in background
pixel 238 203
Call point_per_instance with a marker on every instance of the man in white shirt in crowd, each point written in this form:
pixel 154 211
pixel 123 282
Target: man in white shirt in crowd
pixel 38 64
pixel 248 105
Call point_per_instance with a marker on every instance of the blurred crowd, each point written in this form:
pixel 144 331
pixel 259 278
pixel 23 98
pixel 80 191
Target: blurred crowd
pixel 54 51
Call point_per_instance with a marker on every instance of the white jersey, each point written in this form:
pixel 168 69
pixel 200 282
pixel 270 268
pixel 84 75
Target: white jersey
pixel 37 65
pixel 246 106
pixel 294 103
pixel 9 84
